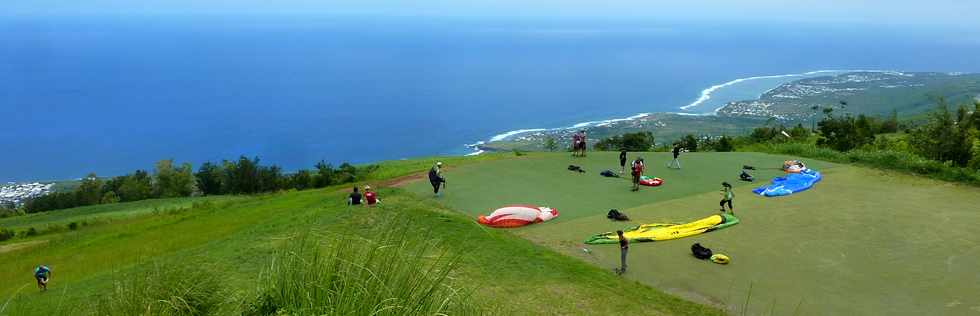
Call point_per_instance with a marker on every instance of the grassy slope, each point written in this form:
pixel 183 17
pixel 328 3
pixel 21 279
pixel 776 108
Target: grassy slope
pixel 543 179
pixel 509 275
pixel 861 242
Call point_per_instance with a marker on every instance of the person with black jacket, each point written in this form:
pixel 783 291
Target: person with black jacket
pixel 436 178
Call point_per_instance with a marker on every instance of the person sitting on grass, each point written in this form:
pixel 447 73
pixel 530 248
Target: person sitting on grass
pixel 637 169
pixel 727 195
pixel 370 197
pixel 354 198
pixel 624 247
pixel 43 274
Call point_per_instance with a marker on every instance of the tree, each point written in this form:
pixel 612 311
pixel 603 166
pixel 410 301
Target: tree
pixel 843 133
pixel 639 141
pixel 109 198
pixel 242 176
pixel 324 174
pixel 171 181
pixel 944 138
pixel 209 177
pixel 725 144
pixel 890 125
pixel 301 180
pixel 135 187
pixel 688 142
pixel 90 191
pixel 550 144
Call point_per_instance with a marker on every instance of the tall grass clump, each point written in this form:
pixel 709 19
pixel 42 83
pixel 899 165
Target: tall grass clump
pixel 165 289
pixel 393 273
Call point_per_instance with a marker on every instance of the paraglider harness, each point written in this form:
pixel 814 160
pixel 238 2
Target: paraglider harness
pixel 615 215
pixel 700 252
pixel 575 168
pixel 609 174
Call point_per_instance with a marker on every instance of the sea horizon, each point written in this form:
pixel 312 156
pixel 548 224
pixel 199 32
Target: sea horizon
pixel 112 96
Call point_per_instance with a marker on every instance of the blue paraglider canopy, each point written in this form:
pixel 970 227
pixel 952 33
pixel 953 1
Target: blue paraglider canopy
pixel 791 183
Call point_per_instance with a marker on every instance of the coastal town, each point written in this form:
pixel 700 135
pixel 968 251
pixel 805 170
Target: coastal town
pixel 17 193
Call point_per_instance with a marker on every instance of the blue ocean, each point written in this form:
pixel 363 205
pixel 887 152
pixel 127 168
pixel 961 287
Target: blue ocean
pixel 110 94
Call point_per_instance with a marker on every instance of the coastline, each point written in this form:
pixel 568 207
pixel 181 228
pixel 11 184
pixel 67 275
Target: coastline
pixel 706 95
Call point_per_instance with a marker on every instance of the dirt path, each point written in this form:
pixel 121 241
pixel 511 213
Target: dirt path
pixel 21 245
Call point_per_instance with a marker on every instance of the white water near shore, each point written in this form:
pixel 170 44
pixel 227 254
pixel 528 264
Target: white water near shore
pixel 705 96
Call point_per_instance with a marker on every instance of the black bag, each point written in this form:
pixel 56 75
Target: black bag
pixel 747 167
pixel 616 215
pixel 609 174
pixel 575 168
pixel 745 176
pixel 700 252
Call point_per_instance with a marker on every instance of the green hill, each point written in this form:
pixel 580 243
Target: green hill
pixel 236 238
pixel 854 244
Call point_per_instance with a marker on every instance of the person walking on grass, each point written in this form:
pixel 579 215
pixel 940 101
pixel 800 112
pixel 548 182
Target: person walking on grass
pixel 637 170
pixel 436 178
pixel 677 153
pixel 622 161
pixel 584 145
pixel 624 247
pixel 370 196
pixel 354 198
pixel 43 274
pixel 727 195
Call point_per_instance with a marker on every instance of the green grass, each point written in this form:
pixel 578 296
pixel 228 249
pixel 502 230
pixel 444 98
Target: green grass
pixel 101 213
pixel 862 241
pixel 544 180
pixel 237 239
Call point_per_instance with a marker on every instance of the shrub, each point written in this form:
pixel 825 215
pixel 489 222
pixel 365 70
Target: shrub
pixel 165 289
pixel 73 226
pixel 394 274
pixel 6 234
pixel 30 232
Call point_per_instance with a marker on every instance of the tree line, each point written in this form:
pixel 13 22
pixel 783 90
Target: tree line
pixel 168 180
pixel 950 138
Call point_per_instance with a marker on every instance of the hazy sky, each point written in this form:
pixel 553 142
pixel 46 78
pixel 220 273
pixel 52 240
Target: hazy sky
pixel 962 13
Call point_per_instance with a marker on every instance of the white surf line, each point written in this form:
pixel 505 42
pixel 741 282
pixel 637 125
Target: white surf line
pixel 705 96
pixel 706 93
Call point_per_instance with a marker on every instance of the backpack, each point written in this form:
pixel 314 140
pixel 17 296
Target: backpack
pixel 700 252
pixel 745 176
pixel 637 167
pixel 609 173
pixel 615 215
pixel 575 168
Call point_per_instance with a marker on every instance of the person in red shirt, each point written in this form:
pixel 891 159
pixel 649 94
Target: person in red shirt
pixel 637 173
pixel 370 196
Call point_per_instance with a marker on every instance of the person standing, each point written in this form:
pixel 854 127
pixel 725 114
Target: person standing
pixel 370 196
pixel 727 195
pixel 677 153
pixel 584 145
pixel 622 161
pixel 576 143
pixel 624 247
pixel 436 178
pixel 354 198
pixel 637 170
pixel 42 274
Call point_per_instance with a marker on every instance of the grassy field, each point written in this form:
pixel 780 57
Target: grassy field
pixel 861 242
pixel 237 237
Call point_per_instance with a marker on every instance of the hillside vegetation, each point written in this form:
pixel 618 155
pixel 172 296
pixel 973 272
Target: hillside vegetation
pixel 226 256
